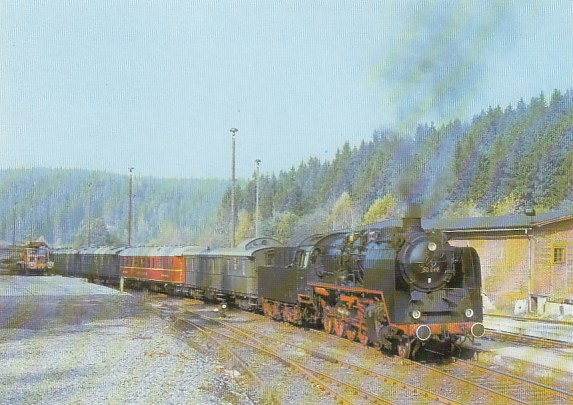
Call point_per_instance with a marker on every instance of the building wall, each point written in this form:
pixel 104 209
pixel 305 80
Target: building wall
pixel 552 277
pixel 505 262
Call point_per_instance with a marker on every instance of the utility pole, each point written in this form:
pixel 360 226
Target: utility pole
pixel 530 213
pixel 14 225
pixel 89 214
pixel 257 162
pixel 130 206
pixel 233 131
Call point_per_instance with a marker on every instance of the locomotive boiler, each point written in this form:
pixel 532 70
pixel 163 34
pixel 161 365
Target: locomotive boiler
pixel 398 288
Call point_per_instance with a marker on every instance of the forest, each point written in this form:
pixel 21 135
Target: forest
pixel 502 161
pixel 56 205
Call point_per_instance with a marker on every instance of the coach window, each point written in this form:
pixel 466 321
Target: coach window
pixel 302 256
pixel 306 257
pixel 314 256
pixel 270 258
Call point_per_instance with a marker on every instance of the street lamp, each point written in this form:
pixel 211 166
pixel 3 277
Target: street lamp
pixel 257 162
pixel 233 131
pixel 89 214
pixel 130 206
pixel 530 213
pixel 14 225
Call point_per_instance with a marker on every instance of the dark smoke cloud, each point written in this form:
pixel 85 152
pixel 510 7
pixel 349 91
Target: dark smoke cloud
pixel 437 61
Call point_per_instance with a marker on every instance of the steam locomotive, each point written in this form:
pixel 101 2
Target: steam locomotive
pixel 398 288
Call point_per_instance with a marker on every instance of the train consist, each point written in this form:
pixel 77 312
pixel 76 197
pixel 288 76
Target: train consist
pixel 397 288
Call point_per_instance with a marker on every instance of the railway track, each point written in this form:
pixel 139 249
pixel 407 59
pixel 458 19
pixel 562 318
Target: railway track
pixel 401 382
pixel 516 388
pixel 524 333
pixel 379 388
pixel 248 350
pixel 533 320
pixel 524 340
pixel 468 380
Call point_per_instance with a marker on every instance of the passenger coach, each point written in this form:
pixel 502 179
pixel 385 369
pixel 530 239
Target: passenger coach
pixel 162 266
pixel 231 272
pixel 100 264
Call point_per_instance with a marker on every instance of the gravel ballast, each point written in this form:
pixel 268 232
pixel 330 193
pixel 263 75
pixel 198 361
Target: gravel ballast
pixel 67 341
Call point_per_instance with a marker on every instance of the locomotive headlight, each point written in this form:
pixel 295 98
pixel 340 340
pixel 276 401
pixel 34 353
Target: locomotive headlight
pixel 432 246
pixel 469 313
pixel 416 314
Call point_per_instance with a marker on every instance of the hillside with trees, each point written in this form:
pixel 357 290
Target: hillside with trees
pixel 500 162
pixel 56 204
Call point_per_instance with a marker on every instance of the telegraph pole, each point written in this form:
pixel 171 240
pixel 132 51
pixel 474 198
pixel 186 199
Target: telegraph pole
pixel 257 162
pixel 89 214
pixel 14 225
pixel 233 131
pixel 130 206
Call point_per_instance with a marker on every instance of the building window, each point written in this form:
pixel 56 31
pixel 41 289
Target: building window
pixel 558 255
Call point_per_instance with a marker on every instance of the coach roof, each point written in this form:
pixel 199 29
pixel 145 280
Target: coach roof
pixel 246 247
pixel 162 251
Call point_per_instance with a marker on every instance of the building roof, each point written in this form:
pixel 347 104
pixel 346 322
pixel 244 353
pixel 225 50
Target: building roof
pixel 507 222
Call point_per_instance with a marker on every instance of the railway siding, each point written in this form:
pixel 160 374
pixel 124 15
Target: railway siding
pixel 538 328
pixel 386 375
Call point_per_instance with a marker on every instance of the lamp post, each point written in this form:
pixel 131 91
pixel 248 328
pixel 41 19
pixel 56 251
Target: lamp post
pixel 257 162
pixel 529 212
pixel 130 206
pixel 233 131
pixel 14 225
pixel 89 214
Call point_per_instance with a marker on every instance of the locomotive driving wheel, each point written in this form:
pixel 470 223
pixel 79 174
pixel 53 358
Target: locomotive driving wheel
pixel 351 333
pixel 362 337
pixel 404 349
pixel 339 327
pixel 327 324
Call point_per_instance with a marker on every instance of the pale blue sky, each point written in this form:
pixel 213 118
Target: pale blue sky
pixel 109 84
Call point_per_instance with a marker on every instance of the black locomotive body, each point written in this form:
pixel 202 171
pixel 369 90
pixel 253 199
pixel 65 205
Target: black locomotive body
pixel 400 288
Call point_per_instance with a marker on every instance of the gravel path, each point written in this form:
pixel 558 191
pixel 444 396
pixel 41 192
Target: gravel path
pixel 84 348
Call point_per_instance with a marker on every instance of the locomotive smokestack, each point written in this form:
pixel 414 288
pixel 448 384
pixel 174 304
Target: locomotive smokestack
pixel 412 222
